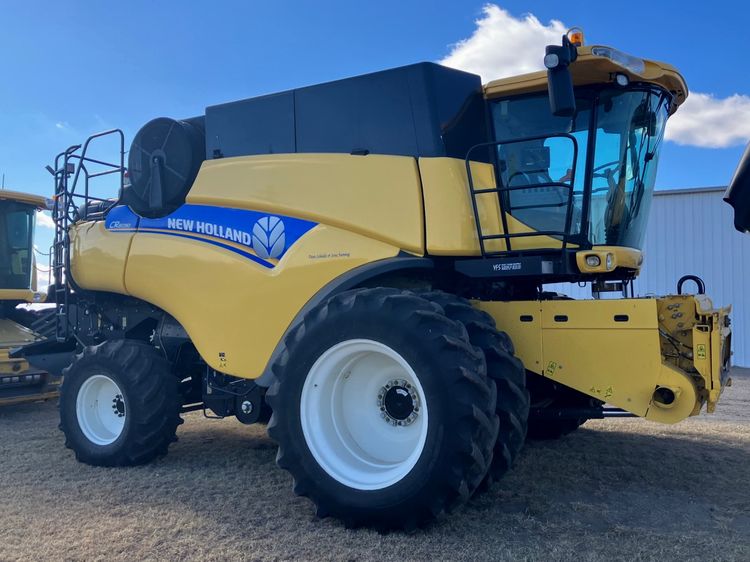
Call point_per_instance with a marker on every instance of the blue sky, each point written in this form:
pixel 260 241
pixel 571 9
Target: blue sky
pixel 70 69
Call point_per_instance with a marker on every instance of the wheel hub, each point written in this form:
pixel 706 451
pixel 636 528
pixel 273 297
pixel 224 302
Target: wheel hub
pixel 398 402
pixel 118 406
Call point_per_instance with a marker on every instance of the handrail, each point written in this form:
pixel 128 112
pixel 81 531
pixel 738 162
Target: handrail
pixel 500 189
pixel 72 167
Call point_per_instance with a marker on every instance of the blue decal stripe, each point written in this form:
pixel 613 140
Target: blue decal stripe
pixel 252 257
pixel 207 238
pixel 213 242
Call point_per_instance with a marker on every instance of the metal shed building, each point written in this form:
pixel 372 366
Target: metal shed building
pixel 692 231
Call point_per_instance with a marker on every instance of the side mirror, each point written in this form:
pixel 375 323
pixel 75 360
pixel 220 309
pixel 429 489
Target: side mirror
pixel 738 193
pixel 557 58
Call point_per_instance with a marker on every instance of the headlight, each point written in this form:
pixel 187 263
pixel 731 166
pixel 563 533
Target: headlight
pixel 593 260
pixel 631 63
pixel 621 79
pixel 610 261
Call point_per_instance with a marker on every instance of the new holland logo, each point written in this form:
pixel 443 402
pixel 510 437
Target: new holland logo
pixel 238 230
pixel 269 239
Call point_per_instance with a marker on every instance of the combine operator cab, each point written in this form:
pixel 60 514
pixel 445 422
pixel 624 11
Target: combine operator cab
pixel 576 181
pixel 569 194
pixel 17 271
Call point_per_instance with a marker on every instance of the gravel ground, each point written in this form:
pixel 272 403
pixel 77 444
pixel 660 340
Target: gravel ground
pixel 615 489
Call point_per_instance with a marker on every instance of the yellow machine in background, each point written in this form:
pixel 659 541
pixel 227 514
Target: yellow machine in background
pixel 367 260
pixel 18 284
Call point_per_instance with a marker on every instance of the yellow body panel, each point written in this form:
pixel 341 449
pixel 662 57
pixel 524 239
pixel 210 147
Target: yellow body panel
pixel 449 215
pixel 374 195
pixel 612 350
pixel 10 366
pixel 235 310
pixel 26 295
pixel 99 256
pixel 591 69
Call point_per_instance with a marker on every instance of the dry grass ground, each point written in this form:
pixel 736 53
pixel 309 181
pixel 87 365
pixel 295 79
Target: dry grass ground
pixel 616 489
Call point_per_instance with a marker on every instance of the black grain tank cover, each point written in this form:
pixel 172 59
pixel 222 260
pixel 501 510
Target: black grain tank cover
pixel 418 110
pixel 163 161
pixel 738 193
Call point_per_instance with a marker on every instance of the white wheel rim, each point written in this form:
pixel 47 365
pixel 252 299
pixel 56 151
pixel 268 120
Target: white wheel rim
pixel 345 424
pixel 101 410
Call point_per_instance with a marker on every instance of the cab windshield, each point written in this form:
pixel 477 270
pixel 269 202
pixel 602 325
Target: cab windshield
pixel 16 229
pixel 589 177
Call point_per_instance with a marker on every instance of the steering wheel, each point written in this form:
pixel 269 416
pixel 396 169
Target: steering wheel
pixel 604 167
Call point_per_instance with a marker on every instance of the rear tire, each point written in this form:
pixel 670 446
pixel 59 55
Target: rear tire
pixel 504 368
pixel 356 449
pixel 119 404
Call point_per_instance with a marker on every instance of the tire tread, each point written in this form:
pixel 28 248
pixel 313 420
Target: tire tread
pixel 152 391
pixel 472 393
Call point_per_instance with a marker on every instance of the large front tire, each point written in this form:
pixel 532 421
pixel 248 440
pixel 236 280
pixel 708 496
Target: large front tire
pixel 119 404
pixel 382 409
pixel 504 368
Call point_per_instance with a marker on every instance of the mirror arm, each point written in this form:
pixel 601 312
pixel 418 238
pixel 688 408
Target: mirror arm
pixel 557 59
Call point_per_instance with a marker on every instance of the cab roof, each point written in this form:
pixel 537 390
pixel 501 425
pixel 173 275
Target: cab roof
pixel 592 67
pixel 20 197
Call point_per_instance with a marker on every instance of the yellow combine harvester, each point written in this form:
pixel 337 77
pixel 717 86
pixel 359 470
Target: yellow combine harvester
pixel 367 259
pixel 18 284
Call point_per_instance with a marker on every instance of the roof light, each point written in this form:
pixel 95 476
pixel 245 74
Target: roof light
pixel 631 63
pixel 621 79
pixel 575 36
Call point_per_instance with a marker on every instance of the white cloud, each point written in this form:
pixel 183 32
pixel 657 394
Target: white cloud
pixel 43 273
pixel 44 220
pixel 709 122
pixel 504 45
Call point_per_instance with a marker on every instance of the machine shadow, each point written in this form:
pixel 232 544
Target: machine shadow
pixel 548 476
